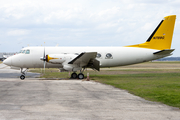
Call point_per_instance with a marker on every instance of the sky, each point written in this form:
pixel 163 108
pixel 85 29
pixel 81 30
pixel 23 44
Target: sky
pixel 83 22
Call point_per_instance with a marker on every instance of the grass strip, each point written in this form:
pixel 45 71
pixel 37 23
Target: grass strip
pixel 159 87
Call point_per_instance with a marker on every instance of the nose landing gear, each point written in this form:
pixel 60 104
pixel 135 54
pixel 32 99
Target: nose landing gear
pixel 22 77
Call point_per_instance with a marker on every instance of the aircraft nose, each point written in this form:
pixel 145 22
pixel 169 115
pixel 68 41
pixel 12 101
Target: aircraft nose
pixel 7 61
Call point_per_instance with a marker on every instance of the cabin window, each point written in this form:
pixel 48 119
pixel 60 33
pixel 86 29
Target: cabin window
pixel 98 55
pixel 108 56
pixel 27 51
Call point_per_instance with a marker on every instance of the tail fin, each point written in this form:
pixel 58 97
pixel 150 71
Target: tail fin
pixel 161 38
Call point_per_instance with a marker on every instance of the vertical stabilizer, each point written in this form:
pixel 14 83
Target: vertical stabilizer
pixel 161 37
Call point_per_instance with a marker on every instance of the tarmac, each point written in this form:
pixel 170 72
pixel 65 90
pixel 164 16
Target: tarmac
pixel 6 72
pixel 38 99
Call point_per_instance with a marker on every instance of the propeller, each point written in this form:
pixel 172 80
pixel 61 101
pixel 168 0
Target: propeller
pixel 44 59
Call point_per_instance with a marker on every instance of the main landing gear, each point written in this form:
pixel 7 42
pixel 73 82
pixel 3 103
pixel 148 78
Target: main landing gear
pixel 22 77
pixel 75 76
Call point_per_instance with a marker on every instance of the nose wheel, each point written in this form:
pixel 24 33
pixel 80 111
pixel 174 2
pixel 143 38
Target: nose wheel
pixel 22 77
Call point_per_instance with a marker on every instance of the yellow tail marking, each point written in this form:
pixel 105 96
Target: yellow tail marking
pixel 161 38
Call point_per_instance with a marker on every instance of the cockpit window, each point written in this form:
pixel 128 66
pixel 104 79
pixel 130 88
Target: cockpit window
pixel 27 51
pixel 20 51
pixel 23 51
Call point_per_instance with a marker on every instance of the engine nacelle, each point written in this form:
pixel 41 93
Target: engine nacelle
pixel 70 67
pixel 59 58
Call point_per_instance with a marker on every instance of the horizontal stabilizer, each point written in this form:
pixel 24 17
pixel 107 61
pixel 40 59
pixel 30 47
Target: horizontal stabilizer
pixel 164 52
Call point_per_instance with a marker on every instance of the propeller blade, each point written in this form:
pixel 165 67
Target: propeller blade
pixel 44 59
pixel 44 66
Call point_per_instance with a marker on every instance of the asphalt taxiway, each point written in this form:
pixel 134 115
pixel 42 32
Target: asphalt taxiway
pixel 6 72
pixel 34 99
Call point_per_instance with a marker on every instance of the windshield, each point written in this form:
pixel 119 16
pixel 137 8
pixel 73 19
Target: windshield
pixel 20 51
pixel 25 51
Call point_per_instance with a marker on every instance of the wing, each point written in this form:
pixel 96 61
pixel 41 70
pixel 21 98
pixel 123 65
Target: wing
pixel 86 59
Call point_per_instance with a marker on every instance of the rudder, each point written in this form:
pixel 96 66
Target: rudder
pixel 161 37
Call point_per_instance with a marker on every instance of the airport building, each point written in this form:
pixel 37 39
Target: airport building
pixel 3 56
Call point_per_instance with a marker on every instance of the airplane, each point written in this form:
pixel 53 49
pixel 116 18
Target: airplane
pixel 74 59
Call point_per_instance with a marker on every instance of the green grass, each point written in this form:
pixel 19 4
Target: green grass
pixel 159 87
pixel 162 85
pixel 51 73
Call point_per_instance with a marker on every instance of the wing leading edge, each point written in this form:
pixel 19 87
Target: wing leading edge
pixel 86 59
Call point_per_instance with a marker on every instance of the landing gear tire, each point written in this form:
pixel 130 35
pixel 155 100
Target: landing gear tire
pixel 22 77
pixel 73 75
pixel 81 76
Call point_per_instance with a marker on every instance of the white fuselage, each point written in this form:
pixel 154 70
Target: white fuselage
pixel 120 56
